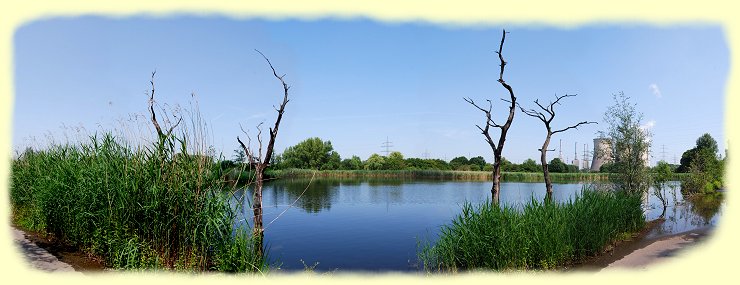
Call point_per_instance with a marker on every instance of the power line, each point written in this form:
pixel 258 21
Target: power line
pixel 663 153
pixel 387 145
pixel 425 154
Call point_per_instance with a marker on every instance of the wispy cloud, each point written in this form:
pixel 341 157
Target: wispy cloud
pixel 648 125
pixel 656 90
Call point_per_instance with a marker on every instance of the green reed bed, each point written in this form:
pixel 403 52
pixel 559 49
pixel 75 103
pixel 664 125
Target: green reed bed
pixel 438 174
pixel 537 236
pixel 154 206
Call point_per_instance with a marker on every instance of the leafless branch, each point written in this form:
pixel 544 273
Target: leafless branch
pixel 280 110
pixel 574 126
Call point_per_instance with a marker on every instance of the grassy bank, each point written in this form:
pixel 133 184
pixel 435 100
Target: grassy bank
pixel 153 206
pixel 541 236
pixel 438 174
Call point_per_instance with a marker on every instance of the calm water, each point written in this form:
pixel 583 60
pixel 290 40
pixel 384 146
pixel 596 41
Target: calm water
pixel 375 225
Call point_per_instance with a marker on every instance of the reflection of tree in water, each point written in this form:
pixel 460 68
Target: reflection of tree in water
pixel 705 206
pixel 317 197
pixel 386 182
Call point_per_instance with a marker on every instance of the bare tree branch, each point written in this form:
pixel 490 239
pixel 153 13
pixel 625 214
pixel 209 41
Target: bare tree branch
pixel 573 127
pixel 151 109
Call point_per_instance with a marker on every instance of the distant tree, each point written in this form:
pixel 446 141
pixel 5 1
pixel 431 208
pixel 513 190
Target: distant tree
pixel 630 143
pixel 506 165
pixel 705 168
pixel 333 162
pixel 558 166
pixel 478 160
pixel 375 162
pixel 546 118
pixel 704 143
pixel 395 161
pixel 458 162
pixel 489 167
pixel 438 164
pixel 312 153
pixel 497 147
pixel 530 165
pixel 354 163
pixel 239 156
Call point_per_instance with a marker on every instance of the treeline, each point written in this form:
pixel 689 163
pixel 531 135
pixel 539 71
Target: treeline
pixel 317 154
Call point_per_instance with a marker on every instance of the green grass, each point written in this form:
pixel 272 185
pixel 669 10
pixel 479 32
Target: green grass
pixel 438 174
pixel 153 206
pixel 539 236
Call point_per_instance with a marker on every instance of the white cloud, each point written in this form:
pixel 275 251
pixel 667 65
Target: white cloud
pixel 649 125
pixel 656 91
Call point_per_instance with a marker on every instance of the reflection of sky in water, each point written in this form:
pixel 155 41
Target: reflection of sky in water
pixel 376 224
pixel 680 216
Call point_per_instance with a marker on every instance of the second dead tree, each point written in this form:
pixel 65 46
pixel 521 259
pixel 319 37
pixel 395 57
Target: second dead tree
pixel 547 118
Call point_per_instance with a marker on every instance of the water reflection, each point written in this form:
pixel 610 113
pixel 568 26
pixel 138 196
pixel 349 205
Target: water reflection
pixel 375 224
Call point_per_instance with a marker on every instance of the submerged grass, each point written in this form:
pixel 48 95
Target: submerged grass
pixel 438 174
pixel 538 236
pixel 153 207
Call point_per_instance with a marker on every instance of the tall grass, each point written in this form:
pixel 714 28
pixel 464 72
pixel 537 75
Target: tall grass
pixel 159 205
pixel 437 174
pixel 539 236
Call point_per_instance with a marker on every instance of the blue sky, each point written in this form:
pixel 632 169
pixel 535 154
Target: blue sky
pixel 356 82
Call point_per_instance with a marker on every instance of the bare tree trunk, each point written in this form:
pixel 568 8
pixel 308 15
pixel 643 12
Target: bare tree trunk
pixel 545 170
pixel 258 229
pixel 496 187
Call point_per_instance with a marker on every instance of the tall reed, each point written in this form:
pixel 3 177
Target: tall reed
pixel 538 236
pixel 157 205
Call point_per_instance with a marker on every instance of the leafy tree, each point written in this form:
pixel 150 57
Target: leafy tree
pixel 312 153
pixel 478 160
pixel 239 156
pixel 333 162
pixel 557 165
pixel 394 161
pixel 607 168
pixel 662 173
pixel 354 163
pixel 375 162
pixel 530 165
pixel 704 143
pixel 506 165
pixel 630 144
pixel 459 161
pixel 704 168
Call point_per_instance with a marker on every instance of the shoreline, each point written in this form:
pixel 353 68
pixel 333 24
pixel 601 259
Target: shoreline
pixel 45 254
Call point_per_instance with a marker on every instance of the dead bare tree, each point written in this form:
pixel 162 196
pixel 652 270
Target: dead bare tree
pixel 260 162
pixel 161 135
pixel 547 119
pixel 497 147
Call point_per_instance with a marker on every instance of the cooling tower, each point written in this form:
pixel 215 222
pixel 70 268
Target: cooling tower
pixel 602 153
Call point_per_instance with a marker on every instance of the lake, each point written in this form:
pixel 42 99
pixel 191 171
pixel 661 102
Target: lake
pixel 375 225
